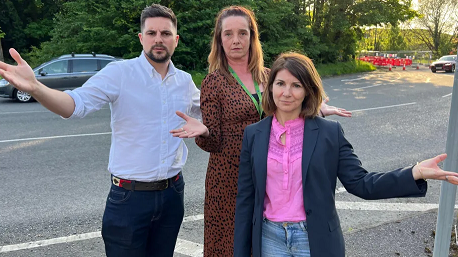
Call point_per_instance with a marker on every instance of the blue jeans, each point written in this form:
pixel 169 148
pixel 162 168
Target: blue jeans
pixel 281 239
pixel 143 223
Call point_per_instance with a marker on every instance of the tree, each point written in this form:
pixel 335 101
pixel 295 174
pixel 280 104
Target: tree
pixel 27 23
pixel 2 35
pixel 338 23
pixel 437 25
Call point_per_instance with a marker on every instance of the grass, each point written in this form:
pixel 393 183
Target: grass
pixel 341 68
pixel 197 77
pixel 325 70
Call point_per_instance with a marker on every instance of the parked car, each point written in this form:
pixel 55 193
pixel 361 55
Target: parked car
pixel 63 73
pixel 446 63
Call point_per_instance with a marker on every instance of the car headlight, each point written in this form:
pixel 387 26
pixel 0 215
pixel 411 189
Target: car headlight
pixel 4 83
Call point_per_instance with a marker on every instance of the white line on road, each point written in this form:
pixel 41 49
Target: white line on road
pixel 376 206
pixel 359 78
pixel 377 108
pixel 195 249
pixel 53 137
pixel 375 85
pixel 2 113
pixel 447 95
pixel 189 248
pixel 47 111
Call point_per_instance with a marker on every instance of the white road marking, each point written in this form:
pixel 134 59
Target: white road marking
pixel 447 95
pixel 53 241
pixel 377 108
pixel 375 85
pixel 196 250
pixel 44 111
pixel 189 248
pixel 360 78
pixel 2 113
pixel 340 190
pixel 53 137
pixel 375 206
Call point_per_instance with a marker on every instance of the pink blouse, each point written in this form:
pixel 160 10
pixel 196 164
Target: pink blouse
pixel 284 199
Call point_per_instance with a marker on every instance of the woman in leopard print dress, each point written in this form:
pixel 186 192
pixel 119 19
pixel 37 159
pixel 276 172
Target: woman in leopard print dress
pixel 230 101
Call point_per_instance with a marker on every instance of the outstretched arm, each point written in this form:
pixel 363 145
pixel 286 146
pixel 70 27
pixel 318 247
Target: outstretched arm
pixel 22 77
pixel 428 169
pixel 328 110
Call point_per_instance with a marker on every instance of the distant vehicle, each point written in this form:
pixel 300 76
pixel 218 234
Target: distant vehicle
pixel 446 63
pixel 63 73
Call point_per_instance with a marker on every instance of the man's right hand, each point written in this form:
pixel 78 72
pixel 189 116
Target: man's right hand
pixel 20 76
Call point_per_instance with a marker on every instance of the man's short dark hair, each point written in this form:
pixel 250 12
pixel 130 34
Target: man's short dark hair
pixel 157 10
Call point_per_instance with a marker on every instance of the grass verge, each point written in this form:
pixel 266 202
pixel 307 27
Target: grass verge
pixel 197 77
pixel 325 70
pixel 341 68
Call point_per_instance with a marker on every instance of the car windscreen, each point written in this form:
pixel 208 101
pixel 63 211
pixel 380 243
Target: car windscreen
pixel 447 58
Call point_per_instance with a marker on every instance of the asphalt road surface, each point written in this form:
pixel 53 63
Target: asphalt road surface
pixel 54 178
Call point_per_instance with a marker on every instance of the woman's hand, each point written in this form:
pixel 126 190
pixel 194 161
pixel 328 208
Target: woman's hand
pixel 428 169
pixel 328 110
pixel 192 128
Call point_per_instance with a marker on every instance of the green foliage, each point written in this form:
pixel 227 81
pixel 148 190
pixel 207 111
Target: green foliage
pixel 325 30
pixel 353 66
pixel 198 77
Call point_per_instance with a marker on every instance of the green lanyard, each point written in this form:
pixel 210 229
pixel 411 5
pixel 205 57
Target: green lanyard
pixel 258 92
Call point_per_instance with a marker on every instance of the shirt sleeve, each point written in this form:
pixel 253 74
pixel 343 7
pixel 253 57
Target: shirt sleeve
pixel 100 89
pixel 195 107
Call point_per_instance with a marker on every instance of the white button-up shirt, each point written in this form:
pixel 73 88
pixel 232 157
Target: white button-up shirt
pixel 143 109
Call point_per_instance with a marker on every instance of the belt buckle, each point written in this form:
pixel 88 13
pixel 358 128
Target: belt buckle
pixel 166 184
pixel 116 181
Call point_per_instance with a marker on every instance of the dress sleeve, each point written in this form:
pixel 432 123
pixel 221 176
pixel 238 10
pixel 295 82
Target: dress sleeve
pixel 210 106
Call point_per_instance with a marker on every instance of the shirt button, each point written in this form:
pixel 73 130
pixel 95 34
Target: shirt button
pixel 163 161
pixel 163 142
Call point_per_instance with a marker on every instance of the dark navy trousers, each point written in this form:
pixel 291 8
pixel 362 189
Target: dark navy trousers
pixel 143 223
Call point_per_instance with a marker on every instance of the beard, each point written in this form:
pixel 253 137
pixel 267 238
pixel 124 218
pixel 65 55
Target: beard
pixel 159 58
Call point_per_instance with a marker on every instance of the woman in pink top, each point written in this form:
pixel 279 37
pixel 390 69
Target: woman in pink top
pixel 289 165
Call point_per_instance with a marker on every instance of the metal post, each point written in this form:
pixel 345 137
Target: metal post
pixel 448 191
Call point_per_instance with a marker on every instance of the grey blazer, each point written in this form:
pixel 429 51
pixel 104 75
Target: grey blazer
pixel 326 156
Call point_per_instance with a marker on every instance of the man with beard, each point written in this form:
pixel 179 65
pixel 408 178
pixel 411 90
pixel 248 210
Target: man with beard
pixel 144 208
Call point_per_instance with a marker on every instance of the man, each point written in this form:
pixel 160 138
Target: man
pixel 144 207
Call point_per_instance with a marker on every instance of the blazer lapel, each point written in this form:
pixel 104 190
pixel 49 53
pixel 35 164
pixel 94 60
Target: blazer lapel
pixel 308 146
pixel 261 148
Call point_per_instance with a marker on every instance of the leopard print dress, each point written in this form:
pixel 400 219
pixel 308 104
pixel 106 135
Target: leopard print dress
pixel 226 111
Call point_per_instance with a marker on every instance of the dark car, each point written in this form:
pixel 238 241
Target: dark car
pixel 63 73
pixel 446 63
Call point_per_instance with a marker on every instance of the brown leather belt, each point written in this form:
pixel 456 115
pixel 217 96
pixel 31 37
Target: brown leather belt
pixel 144 186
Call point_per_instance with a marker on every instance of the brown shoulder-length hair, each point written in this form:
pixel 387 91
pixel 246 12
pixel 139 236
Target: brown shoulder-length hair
pixel 217 58
pixel 302 68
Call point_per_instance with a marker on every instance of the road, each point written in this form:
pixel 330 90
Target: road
pixel 55 182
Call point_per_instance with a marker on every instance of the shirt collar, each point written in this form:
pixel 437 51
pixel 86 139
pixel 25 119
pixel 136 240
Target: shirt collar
pixel 279 129
pixel 151 70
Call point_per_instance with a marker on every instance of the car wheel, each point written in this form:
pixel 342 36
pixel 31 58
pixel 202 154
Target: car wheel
pixel 22 96
pixel 453 68
pixel 433 70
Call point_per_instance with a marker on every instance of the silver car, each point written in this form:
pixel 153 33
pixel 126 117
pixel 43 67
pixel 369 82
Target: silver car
pixel 63 73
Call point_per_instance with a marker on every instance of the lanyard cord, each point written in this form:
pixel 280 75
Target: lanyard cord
pixel 257 104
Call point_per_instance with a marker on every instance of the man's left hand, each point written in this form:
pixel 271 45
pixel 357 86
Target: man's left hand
pixel 328 110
